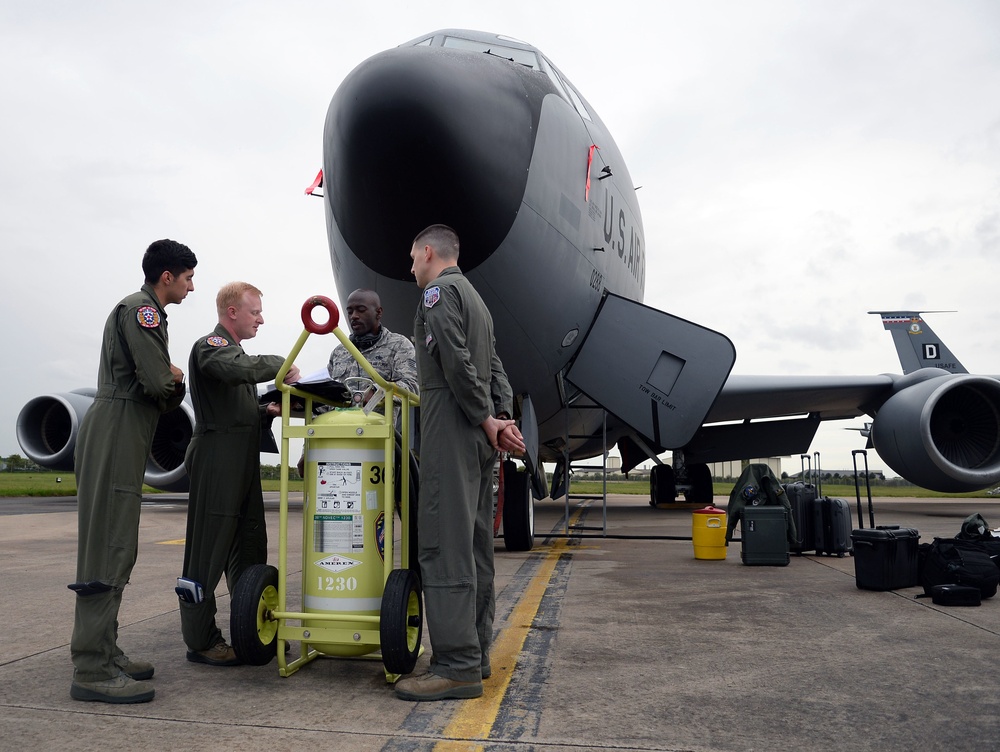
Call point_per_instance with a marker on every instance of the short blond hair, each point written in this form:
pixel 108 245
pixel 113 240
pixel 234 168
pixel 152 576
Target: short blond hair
pixel 232 295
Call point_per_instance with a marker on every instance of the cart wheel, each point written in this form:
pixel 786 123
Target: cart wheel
pixel 401 621
pixel 518 509
pixel 414 499
pixel 662 485
pixel 700 480
pixel 254 633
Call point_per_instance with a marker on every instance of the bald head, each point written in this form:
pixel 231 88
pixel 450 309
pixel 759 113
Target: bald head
pixel 364 312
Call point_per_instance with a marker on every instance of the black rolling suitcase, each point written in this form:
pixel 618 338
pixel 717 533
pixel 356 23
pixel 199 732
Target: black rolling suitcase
pixel 802 497
pixel 833 527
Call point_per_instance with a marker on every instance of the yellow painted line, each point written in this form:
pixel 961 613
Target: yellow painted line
pixel 178 542
pixel 476 717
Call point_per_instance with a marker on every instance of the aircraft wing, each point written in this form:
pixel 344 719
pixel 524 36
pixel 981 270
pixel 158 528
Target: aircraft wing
pixel 773 416
pixel 829 397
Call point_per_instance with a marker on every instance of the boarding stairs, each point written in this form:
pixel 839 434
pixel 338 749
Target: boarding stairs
pixel 588 466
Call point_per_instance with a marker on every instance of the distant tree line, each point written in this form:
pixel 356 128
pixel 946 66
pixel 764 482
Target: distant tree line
pixel 15 463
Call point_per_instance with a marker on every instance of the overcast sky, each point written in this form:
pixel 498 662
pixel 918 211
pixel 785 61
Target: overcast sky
pixel 801 163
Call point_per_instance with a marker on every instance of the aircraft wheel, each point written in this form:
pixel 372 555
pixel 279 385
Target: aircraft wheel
pixel 700 479
pixel 401 621
pixel 662 485
pixel 254 632
pixel 518 509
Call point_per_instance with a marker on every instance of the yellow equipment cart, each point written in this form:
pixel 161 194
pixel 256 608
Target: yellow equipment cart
pixel 354 602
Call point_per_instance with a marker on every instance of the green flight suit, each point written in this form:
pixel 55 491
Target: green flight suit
pixel 135 386
pixel 462 382
pixel 226 532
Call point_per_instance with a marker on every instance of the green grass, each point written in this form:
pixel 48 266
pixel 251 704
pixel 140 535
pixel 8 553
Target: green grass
pixel 48 483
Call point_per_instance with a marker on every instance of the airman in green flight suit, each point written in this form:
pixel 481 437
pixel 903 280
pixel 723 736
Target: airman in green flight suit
pixel 465 406
pixel 225 526
pixel 136 384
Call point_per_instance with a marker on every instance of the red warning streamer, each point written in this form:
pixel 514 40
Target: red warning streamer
pixel 590 161
pixel 318 182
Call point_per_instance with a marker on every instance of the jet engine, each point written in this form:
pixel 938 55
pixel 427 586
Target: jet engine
pixel 48 426
pixel 942 431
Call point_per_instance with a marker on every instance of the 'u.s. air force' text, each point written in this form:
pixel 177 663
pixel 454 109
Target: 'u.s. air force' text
pixel 631 253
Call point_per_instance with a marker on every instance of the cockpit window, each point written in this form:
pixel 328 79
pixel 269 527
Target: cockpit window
pixel 577 102
pixel 526 58
pixel 569 91
pixel 425 42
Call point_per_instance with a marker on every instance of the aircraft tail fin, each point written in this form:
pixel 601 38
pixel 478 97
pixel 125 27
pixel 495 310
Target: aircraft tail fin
pixel 916 343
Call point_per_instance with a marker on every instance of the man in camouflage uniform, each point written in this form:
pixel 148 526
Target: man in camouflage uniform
pixel 225 525
pixel 390 354
pixel 465 406
pixel 136 384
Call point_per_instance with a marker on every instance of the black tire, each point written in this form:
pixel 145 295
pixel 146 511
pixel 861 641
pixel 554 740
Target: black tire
pixel 253 631
pixel 701 490
pixel 662 485
pixel 411 524
pixel 518 509
pixel 401 621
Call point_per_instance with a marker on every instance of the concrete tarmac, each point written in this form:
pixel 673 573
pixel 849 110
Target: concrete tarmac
pixel 603 643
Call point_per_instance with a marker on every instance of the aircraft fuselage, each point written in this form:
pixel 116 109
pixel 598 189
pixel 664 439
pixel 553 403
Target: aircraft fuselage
pixel 447 129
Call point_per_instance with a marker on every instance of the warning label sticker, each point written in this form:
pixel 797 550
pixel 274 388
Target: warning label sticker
pixel 338 532
pixel 338 486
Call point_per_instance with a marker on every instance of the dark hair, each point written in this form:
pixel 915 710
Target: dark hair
pixel 441 238
pixel 166 256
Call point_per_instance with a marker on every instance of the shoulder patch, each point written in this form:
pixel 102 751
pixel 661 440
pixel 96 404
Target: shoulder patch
pixel 431 296
pixel 148 317
pixel 216 341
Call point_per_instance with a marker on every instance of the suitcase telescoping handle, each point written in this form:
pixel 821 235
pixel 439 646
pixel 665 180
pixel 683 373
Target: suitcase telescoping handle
pixel 804 459
pixel 868 487
pixel 818 476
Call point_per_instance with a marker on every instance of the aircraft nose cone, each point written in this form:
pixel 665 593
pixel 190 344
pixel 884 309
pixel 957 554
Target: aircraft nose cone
pixel 416 136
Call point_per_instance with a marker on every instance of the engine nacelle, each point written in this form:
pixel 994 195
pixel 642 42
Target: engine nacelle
pixel 942 431
pixel 48 427
pixel 165 467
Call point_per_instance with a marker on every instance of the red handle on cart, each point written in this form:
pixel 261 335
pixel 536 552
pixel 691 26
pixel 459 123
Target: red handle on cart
pixel 307 320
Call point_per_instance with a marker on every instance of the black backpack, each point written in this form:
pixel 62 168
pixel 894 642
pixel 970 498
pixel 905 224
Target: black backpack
pixel 951 561
pixel 975 528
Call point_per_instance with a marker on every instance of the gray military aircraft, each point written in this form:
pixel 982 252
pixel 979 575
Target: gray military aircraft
pixel 484 133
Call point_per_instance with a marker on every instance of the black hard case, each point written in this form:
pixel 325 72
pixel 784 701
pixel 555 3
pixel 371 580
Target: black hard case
pixel 885 558
pixel 764 536
pixel 833 526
